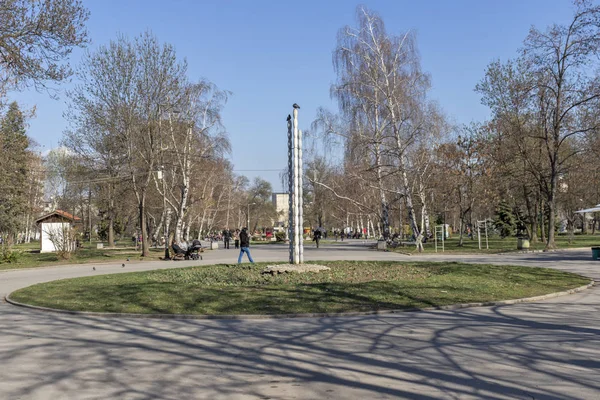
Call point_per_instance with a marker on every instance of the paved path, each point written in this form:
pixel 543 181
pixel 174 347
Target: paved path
pixel 544 350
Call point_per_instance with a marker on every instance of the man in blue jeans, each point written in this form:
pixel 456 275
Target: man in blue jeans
pixel 244 245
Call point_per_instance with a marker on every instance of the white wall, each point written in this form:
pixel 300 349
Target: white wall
pixel 51 227
pixel 281 203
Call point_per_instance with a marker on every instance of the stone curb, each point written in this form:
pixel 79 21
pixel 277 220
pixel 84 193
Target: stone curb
pixel 310 315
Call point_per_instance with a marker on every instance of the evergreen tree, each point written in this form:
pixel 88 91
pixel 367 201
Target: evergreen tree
pixel 504 220
pixel 14 170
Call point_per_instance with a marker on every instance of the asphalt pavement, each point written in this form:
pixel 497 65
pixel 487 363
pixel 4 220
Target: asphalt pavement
pixel 543 350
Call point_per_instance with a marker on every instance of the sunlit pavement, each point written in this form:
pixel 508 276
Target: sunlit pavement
pixel 543 350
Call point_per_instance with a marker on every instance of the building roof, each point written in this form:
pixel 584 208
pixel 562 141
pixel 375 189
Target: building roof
pixel 58 213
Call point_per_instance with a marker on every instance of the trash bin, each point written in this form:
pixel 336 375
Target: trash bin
pixel 381 245
pixel 522 244
pixel 596 253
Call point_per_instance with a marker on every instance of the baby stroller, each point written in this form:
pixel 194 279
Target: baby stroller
pixel 191 253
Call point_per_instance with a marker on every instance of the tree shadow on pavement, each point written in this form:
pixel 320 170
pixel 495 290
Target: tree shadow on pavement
pixel 536 350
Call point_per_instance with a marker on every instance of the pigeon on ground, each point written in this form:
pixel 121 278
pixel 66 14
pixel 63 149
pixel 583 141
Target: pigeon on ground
pixel 296 106
pixel 128 259
pixel 94 268
pixel 122 265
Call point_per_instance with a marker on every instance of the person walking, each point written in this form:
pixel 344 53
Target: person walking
pixel 244 246
pixel 226 238
pixel 317 236
pixel 236 238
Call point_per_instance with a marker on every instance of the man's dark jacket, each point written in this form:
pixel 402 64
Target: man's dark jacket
pixel 244 239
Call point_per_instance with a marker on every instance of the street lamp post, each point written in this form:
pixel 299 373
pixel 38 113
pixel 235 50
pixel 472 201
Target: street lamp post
pixel 248 214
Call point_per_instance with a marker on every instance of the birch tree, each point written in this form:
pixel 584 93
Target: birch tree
pixel 197 134
pixel 381 92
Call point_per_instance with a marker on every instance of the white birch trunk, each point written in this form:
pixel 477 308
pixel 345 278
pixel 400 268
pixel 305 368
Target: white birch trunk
pixel 201 228
pixel 181 209
pixel 425 224
pixel 228 208
pixel 347 223
pixel 160 225
pixel 361 223
pixel 186 229
pixel 184 156
pixel 411 212
pixel 168 225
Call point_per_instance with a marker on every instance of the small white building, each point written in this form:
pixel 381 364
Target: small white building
pixel 56 230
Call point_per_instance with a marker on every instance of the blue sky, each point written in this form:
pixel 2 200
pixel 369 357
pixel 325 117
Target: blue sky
pixel 271 54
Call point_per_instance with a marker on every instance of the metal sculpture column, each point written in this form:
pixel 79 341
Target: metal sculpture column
pixel 300 199
pixel 290 230
pixel 296 197
pixel 295 189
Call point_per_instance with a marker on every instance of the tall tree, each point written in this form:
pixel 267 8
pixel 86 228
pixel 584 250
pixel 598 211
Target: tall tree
pixel 196 136
pixel 381 92
pixel 559 91
pixel 125 89
pixel 14 172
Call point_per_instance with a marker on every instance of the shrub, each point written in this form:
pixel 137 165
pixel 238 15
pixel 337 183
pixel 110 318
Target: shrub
pixel 64 254
pixel 9 255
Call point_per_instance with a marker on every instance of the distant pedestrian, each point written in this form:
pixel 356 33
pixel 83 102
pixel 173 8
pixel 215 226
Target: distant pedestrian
pixel 244 246
pixel 317 236
pixel 226 237
pixel 236 238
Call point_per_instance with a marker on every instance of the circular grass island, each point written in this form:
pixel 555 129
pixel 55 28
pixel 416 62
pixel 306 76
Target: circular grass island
pixel 348 286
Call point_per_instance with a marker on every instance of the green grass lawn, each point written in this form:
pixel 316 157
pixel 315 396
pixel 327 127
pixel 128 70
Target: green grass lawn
pixel 30 257
pixel 348 286
pixel 499 245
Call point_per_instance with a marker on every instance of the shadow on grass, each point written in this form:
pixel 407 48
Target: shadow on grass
pixel 347 287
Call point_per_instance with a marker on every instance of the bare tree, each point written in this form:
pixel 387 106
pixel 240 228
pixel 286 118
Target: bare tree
pixel 123 86
pixel 381 92
pixel 559 93
pixel 36 37
pixel 198 135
